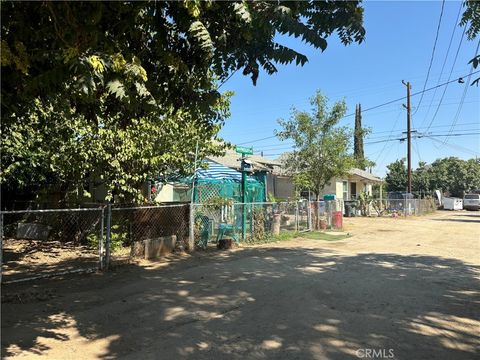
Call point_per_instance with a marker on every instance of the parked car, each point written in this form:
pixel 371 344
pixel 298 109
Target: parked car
pixel 471 202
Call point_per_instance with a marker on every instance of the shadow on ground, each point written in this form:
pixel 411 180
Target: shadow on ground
pixel 260 303
pixel 477 220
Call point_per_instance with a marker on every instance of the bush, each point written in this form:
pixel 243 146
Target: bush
pixel 116 240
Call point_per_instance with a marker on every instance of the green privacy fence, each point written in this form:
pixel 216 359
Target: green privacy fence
pixel 206 190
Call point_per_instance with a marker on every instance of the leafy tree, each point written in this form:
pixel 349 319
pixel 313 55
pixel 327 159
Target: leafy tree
pixel 421 178
pixel 321 148
pixel 455 176
pixel 124 90
pixel 396 179
pixel 471 18
pixel 450 175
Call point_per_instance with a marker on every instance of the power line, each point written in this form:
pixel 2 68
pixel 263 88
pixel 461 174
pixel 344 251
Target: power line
pixel 455 25
pixel 445 89
pixel 278 147
pixel 454 146
pixel 467 85
pixel 348 93
pixel 432 56
pixel 438 126
pixel 257 140
pixel 391 133
pixel 414 94
pixel 380 105
pixel 416 147
pixel 228 78
pixel 267 128
pixel 387 152
pixel 403 138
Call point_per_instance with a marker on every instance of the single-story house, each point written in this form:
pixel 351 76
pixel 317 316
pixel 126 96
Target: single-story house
pixel 351 186
pixel 348 187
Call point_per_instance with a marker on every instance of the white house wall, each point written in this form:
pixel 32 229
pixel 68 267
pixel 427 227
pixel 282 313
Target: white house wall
pixel 165 194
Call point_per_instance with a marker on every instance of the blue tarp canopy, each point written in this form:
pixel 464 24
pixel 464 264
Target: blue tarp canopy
pixel 216 171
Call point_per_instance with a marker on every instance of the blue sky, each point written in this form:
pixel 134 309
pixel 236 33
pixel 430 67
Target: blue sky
pixel 398 46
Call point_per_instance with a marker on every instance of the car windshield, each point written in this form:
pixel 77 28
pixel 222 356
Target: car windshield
pixel 472 196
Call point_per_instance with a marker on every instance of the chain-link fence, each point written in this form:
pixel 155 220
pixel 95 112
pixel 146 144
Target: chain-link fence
pixel 327 214
pixel 131 229
pixel 44 243
pixel 257 222
pixel 400 207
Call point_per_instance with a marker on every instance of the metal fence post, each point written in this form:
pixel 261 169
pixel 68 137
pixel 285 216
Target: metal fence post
pixel 191 225
pixel 1 247
pixel 100 241
pixel 109 236
pixel 296 216
pixel 309 215
pixel 252 222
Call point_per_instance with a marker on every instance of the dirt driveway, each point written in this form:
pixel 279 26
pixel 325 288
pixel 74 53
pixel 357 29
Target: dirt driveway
pixel 401 289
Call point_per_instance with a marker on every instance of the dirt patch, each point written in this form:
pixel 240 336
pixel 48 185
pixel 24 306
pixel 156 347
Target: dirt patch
pixel 303 299
pixel 28 258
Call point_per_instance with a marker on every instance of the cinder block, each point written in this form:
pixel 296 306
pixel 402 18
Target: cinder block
pixel 155 248
pixel 138 249
pixel 32 231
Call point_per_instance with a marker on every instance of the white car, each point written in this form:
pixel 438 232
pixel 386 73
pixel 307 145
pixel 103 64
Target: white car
pixel 471 202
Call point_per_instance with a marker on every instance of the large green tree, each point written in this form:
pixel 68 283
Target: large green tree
pixel 449 175
pixel 455 176
pixel 396 179
pixel 471 20
pixel 321 147
pixel 124 90
pixel 422 178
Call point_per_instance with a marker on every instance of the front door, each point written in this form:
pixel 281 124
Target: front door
pixel 353 190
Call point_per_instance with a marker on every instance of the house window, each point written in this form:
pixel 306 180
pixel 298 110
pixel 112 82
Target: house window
pixel 345 190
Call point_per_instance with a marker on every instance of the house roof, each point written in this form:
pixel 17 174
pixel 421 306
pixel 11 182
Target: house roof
pixel 365 175
pixel 231 159
pixel 353 172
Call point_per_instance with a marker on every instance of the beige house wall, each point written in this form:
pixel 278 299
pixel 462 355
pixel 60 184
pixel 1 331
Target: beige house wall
pixel 336 187
pixel 165 194
pixel 280 186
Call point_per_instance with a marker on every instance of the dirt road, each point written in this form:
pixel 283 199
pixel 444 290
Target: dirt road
pixel 398 289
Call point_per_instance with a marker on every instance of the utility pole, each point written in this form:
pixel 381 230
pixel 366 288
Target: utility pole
pixel 409 139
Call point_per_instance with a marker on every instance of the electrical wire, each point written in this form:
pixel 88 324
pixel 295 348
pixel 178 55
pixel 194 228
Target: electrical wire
pixel 416 148
pixel 380 105
pixel 228 78
pixel 432 56
pixel 467 85
pixel 391 133
pixel 455 146
pixel 455 25
pixel 279 147
pixel 375 89
pixel 446 87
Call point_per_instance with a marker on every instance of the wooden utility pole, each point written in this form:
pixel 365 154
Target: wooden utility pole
pixel 409 139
